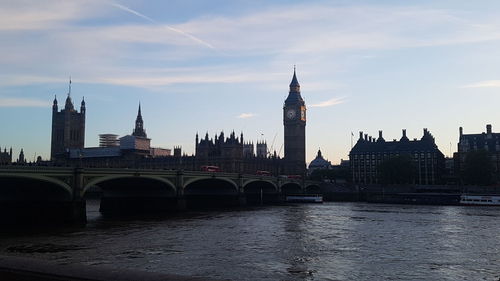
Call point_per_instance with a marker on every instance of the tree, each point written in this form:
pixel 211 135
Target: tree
pixel 396 170
pixel 477 168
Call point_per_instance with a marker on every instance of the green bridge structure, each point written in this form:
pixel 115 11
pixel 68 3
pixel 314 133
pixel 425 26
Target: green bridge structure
pixel 34 193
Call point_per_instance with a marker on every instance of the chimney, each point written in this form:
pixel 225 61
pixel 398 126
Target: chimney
pixel 461 131
pixel 370 138
pixel 380 134
pixel 404 133
pixel 366 137
pixel 361 135
pixel 488 129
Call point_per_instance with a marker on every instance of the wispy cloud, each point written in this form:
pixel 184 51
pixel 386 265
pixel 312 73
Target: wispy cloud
pixel 183 33
pixel 484 84
pixel 330 102
pixel 246 115
pixel 23 102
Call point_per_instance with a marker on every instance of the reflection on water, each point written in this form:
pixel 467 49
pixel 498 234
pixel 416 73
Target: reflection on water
pixel 331 241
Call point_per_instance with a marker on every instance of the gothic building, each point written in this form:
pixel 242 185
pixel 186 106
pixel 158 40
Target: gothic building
pixel 369 153
pixel 6 157
pixel 68 127
pixel 232 154
pixel 294 121
pixel 139 125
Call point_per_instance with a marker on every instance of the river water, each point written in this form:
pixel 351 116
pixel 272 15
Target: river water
pixel 330 241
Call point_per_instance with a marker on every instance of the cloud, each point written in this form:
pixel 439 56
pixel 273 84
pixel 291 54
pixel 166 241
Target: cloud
pixel 23 102
pixel 147 55
pixel 330 102
pixel 484 84
pixel 194 38
pixel 246 115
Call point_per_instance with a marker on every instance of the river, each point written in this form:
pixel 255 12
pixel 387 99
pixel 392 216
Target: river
pixel 330 241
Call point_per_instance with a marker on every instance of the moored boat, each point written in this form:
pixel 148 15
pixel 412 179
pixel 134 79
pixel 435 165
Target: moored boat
pixel 304 198
pixel 482 200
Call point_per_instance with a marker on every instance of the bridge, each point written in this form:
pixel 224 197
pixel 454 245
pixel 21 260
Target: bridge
pixel 31 192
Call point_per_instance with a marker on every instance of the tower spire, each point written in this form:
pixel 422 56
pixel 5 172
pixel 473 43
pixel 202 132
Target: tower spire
pixel 139 125
pixel 294 94
pixel 69 104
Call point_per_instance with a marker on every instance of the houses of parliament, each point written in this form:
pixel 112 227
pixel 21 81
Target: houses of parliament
pixel 230 153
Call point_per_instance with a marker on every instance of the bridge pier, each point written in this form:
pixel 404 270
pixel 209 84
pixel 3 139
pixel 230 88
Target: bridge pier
pixel 181 203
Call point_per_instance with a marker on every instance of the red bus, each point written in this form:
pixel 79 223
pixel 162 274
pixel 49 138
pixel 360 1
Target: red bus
pixel 210 168
pixel 263 173
pixel 294 177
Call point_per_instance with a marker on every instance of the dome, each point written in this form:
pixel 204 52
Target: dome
pixel 319 162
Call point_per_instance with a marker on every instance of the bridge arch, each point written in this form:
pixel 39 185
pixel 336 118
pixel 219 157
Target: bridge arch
pixel 291 188
pixel 259 192
pixel 313 188
pixel 210 179
pixel 62 191
pixel 261 181
pixel 100 180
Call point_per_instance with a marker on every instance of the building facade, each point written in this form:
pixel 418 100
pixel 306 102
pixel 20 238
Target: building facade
pixel 232 154
pixel 369 153
pixel 68 128
pixel 6 157
pixel 294 122
pixel 486 141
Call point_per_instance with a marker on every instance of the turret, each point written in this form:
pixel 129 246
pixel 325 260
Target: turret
pixel 54 104
pixel 82 106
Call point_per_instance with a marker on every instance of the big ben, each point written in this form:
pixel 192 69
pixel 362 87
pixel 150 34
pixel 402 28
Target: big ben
pixel 294 121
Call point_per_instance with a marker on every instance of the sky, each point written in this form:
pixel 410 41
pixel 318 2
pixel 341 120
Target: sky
pixel 211 66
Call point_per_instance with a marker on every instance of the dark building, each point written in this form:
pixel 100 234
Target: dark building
pixel 6 157
pixel 369 153
pixel 68 127
pixel 21 159
pixel 232 154
pixel 294 121
pixel 486 141
pixel 319 163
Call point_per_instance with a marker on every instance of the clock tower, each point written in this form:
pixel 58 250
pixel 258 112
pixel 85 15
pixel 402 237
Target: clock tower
pixel 294 121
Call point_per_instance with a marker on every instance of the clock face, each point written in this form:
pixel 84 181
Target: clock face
pixel 303 113
pixel 290 114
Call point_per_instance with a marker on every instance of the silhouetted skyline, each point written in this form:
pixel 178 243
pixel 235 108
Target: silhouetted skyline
pixel 225 65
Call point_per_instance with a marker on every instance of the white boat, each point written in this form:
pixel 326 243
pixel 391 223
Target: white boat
pixel 304 198
pixel 483 200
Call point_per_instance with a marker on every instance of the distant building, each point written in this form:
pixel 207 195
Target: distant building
pixel 248 149
pixel 262 149
pixel 487 141
pixel 68 128
pixel 231 155
pixel 319 163
pixel 368 153
pixel 108 140
pixel 160 152
pixel 6 157
pixel 21 159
